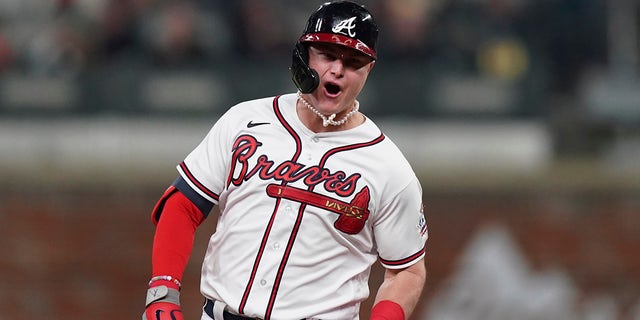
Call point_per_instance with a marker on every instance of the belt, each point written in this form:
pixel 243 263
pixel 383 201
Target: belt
pixel 208 309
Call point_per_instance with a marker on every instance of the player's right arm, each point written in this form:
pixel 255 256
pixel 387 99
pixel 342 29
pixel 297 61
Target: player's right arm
pixel 181 209
pixel 176 218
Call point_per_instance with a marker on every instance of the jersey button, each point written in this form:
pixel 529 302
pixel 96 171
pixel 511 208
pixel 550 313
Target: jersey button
pixel 276 245
pixel 263 282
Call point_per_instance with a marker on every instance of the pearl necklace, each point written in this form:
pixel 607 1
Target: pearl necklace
pixel 326 121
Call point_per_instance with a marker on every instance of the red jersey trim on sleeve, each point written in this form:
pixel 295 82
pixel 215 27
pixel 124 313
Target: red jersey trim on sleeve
pixel 188 175
pixel 397 264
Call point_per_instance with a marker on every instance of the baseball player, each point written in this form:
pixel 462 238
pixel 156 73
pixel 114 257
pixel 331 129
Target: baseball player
pixel 311 194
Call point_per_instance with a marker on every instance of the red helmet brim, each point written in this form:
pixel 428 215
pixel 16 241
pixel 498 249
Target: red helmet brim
pixel 341 40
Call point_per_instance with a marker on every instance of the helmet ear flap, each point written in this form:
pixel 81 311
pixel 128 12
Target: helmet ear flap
pixel 305 78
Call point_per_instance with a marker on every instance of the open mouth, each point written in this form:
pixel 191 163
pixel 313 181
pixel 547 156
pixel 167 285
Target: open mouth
pixel 332 88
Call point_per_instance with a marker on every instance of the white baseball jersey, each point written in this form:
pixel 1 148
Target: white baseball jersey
pixel 303 215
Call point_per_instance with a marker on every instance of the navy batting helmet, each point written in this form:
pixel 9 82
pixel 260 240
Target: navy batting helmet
pixel 344 23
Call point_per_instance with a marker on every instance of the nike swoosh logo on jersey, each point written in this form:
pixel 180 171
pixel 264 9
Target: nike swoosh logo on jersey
pixel 252 124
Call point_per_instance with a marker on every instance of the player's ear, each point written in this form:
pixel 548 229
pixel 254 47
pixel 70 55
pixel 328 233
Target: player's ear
pixel 373 63
pixel 370 66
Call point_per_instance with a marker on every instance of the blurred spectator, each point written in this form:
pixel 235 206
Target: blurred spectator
pixel 407 27
pixel 63 5
pixel 465 28
pixel 6 53
pixel 261 29
pixel 504 53
pixel 569 35
pixel 60 48
pixel 181 34
pixel 117 31
pixel 175 42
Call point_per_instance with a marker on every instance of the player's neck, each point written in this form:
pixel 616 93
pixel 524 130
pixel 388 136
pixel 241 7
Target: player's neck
pixel 317 122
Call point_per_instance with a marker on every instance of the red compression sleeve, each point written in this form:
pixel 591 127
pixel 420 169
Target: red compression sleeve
pixel 387 310
pixel 174 236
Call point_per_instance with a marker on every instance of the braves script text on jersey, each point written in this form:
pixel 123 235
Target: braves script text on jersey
pixel 303 215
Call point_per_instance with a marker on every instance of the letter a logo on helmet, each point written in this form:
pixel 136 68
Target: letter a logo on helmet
pixel 349 24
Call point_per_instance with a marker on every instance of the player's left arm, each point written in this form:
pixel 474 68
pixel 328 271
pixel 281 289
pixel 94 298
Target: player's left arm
pixel 401 233
pixel 399 292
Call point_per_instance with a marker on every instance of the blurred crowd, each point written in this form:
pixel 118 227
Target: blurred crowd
pixel 504 38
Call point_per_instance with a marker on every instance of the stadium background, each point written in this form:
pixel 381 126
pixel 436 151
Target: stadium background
pixel 521 117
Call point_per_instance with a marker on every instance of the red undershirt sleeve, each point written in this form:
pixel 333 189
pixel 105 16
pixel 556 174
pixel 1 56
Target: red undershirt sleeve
pixel 174 236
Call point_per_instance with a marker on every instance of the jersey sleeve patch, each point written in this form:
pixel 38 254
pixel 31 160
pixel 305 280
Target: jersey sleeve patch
pixel 422 225
pixel 203 204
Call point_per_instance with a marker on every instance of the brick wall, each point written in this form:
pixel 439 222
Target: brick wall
pixel 85 253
